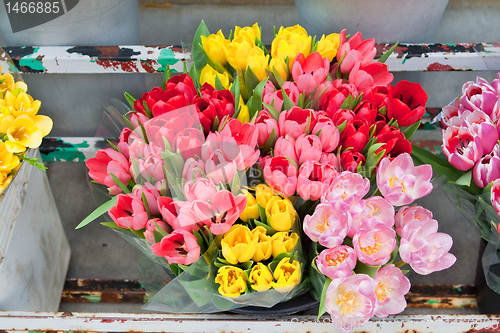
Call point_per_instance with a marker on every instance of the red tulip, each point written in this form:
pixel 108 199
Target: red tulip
pixel 408 103
pixel 365 77
pixel 355 135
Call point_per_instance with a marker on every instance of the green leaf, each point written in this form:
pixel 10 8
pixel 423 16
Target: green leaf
pixel 218 84
pixel 160 230
pixel 256 104
pixel 247 264
pixel 348 103
pixel 147 110
pixel 113 225
pixel 369 270
pixel 235 89
pixel 269 230
pixel 270 142
pixel 158 236
pixel 388 53
pixel 119 183
pixel 278 77
pixel 130 99
pixel 287 102
pixel 112 145
pixel 322 303
pixel 236 183
pixel 129 124
pixel 146 205
pixel 440 165
pixel 262 214
pixel 143 131
pixel 138 233
pixel 98 212
pixel 251 80
pixel 195 75
pixel 198 54
pixel 260 45
pixel 410 130
pixel 342 126
pixel 272 110
pixel 465 180
pixel 308 127
pixel 166 76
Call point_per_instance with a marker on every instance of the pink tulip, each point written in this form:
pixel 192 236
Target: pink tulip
pixel 129 212
pixel 355 50
pixel 309 72
pixel 273 98
pixel 220 168
pixel 337 262
pixel 137 117
pixel 152 167
pixel 425 249
pixel 374 246
pixel 321 92
pixel 484 129
pixel 125 138
pixel 347 187
pixel 392 286
pixel 332 101
pixel 406 214
pixel 151 193
pixel 329 134
pixel 179 247
pixel 168 210
pixel 373 212
pixel 487 169
pixel 244 134
pixel 313 179
pixel 203 189
pixel 285 146
pixel 188 142
pixel 461 148
pixel 479 96
pixel 331 160
pixel 450 114
pixel 328 225
pixel 495 196
pixel 265 125
pixel 292 91
pixel 308 147
pixel 351 302
pixel 216 141
pixel 400 182
pixel 193 169
pixel 151 226
pixel 365 77
pixel 107 162
pixel 296 120
pixel 281 175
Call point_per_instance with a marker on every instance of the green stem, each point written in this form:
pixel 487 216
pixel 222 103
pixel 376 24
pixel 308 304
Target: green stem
pixel 400 263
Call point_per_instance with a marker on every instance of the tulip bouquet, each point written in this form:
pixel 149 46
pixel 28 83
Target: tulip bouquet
pixel 20 127
pixel 472 166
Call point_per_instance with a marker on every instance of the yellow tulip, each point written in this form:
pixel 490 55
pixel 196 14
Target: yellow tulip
pixel 25 132
pixel 215 47
pixel 328 46
pixel 238 244
pixel 289 42
pixel 232 281
pixel 22 104
pixel 264 245
pixel 260 277
pixel 8 81
pixel 287 275
pixel 4 181
pixel 208 75
pixel 251 211
pixel 244 115
pixel 258 62
pixel 249 33
pixel 237 52
pixel 280 213
pixel 263 194
pixel 279 65
pixel 8 161
pixel 283 243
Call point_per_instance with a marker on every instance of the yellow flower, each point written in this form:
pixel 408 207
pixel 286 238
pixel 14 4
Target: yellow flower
pixel 8 161
pixel 280 213
pixel 258 62
pixel 25 132
pixel 237 53
pixel 4 180
pixel 263 194
pixel 244 115
pixel 232 281
pixel 264 245
pixel 215 47
pixel 289 42
pixel 238 244
pixel 260 277
pixel 328 46
pixel 208 75
pixel 249 33
pixel 287 275
pixel 283 243
pixel 21 104
pixel 251 211
pixel 280 66
pixel 8 81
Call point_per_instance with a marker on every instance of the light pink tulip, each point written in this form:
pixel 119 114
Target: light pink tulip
pixel 129 212
pixel 347 187
pixel 487 169
pixel 178 247
pixel 392 286
pixel 401 182
pixel 188 142
pixel 461 148
pixel 107 162
pixel 292 91
pixel 450 115
pixel 220 168
pixel 374 246
pixel 265 124
pixel 152 168
pixel 313 179
pixel 151 193
pixel 309 72
pixel 328 225
pixel 375 211
pixel 355 50
pixel 285 146
pixel 193 169
pixel 484 129
pixel 151 226
pixel 296 120
pixel 365 77
pixel 273 98
pixel 425 249
pixel 495 196
pixel 337 262
pixel 308 147
pixel 479 96
pixel 351 302
pixel 408 213
pixel 329 134
pixel 202 189
pixel 281 175
pixel 330 159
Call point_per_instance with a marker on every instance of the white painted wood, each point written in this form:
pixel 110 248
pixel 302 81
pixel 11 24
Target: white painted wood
pixel 35 249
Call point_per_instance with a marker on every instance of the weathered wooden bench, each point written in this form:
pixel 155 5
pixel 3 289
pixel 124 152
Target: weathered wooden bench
pixel 153 59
